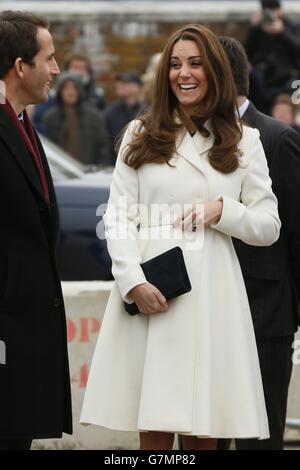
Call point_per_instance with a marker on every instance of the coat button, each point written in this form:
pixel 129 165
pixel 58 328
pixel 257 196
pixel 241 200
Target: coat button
pixel 56 302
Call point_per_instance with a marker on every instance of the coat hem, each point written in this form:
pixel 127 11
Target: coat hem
pixel 213 435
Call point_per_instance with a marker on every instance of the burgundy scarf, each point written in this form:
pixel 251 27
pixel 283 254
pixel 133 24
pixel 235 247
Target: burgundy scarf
pixel 29 139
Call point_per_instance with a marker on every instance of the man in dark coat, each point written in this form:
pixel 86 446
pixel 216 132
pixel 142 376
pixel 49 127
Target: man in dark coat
pixel 35 400
pixel 119 114
pixel 272 274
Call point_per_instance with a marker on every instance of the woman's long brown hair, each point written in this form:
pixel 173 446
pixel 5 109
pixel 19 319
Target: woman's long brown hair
pixel 154 141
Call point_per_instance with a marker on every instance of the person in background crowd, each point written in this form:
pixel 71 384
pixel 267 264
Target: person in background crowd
pixel 75 125
pixel 118 115
pixel 35 396
pixel 148 77
pixel 272 274
pixel 190 365
pixel 284 110
pixel 91 94
pixel 258 93
pixel 273 48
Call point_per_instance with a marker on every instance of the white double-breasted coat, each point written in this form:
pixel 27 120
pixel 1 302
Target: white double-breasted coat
pixel 193 369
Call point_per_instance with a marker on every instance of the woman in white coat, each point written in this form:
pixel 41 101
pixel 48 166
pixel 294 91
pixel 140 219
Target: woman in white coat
pixel 188 365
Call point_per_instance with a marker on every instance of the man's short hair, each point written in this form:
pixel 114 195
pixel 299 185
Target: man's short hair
pixel 18 33
pixel 239 63
pixel 77 56
pixel 129 77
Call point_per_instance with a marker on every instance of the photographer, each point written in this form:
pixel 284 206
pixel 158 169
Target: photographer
pixel 273 49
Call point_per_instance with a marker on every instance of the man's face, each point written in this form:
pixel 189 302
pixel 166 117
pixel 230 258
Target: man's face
pixel 127 90
pixel 38 76
pixel 121 89
pixel 79 66
pixel 283 112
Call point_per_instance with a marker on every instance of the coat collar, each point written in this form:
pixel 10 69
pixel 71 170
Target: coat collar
pixel 10 135
pixel 192 148
pixel 250 115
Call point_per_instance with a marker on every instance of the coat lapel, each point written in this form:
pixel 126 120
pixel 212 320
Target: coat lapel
pixel 46 169
pixel 54 209
pixel 193 148
pixel 10 135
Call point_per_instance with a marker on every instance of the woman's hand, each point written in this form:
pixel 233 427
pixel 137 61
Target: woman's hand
pixel 200 215
pixel 148 298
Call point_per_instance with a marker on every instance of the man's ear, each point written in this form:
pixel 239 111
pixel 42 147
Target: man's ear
pixel 19 67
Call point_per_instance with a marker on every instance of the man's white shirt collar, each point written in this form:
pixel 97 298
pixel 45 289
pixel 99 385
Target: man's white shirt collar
pixel 243 108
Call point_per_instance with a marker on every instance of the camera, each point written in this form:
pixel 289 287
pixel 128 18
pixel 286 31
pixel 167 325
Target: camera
pixel 269 16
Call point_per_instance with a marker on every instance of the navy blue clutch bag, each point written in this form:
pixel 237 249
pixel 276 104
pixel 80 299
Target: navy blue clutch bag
pixel 168 273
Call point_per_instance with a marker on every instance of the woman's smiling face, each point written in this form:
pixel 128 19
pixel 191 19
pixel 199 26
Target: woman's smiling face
pixel 187 76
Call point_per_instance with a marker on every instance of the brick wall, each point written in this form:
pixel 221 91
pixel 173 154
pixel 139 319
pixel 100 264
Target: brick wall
pixel 118 45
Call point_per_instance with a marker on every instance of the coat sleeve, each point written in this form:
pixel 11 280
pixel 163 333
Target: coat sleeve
pixel 286 183
pixel 121 221
pixel 254 219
